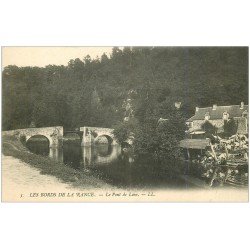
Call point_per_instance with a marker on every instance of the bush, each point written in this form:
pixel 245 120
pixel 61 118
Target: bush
pixel 123 130
pixel 160 142
pixel 154 139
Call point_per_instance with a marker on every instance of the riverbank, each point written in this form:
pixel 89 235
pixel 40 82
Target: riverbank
pixel 46 166
pixel 27 174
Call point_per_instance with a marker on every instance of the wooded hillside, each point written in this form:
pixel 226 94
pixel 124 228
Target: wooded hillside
pixel 91 91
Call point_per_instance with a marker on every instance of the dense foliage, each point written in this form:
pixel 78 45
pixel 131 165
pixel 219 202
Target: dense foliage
pixel 153 137
pixel 91 92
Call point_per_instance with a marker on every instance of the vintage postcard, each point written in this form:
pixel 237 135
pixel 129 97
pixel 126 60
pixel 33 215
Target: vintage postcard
pixel 125 124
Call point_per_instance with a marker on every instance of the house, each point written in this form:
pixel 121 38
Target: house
pixel 217 115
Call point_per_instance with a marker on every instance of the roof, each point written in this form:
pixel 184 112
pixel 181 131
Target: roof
pixel 195 143
pixel 233 111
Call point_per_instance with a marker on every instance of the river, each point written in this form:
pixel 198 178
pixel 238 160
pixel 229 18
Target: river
pixel 113 165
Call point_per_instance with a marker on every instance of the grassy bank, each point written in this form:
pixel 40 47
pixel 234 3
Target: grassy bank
pixel 47 166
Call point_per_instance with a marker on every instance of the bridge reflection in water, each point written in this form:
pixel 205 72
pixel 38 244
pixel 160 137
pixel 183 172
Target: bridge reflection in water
pixel 56 153
pixel 100 154
pixel 75 155
pixel 112 164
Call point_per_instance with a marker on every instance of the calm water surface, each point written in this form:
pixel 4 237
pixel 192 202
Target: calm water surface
pixel 111 164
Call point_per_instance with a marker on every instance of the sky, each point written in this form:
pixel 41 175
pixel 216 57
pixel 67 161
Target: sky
pixel 42 56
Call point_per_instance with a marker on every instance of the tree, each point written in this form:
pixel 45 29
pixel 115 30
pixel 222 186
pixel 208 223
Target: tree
pixel 123 130
pixel 160 76
pixel 160 141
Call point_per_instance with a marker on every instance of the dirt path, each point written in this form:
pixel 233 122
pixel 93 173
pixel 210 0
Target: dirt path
pixel 19 178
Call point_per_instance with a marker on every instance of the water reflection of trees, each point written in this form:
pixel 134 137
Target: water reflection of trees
pixel 72 154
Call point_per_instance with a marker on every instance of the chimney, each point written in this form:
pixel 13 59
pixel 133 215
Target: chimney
pixel 214 106
pixel 241 105
pixel 196 109
pixel 207 116
pixel 177 105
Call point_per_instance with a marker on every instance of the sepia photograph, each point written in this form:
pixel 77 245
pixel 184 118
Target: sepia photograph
pixel 125 124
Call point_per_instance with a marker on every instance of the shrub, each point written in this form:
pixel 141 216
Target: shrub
pixel 123 130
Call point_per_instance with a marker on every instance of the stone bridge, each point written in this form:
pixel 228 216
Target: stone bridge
pixel 92 134
pixel 53 134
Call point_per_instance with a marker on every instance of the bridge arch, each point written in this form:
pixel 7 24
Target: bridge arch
pixel 36 137
pixel 91 135
pixel 108 138
pixel 38 144
pixel 49 139
pixel 54 134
